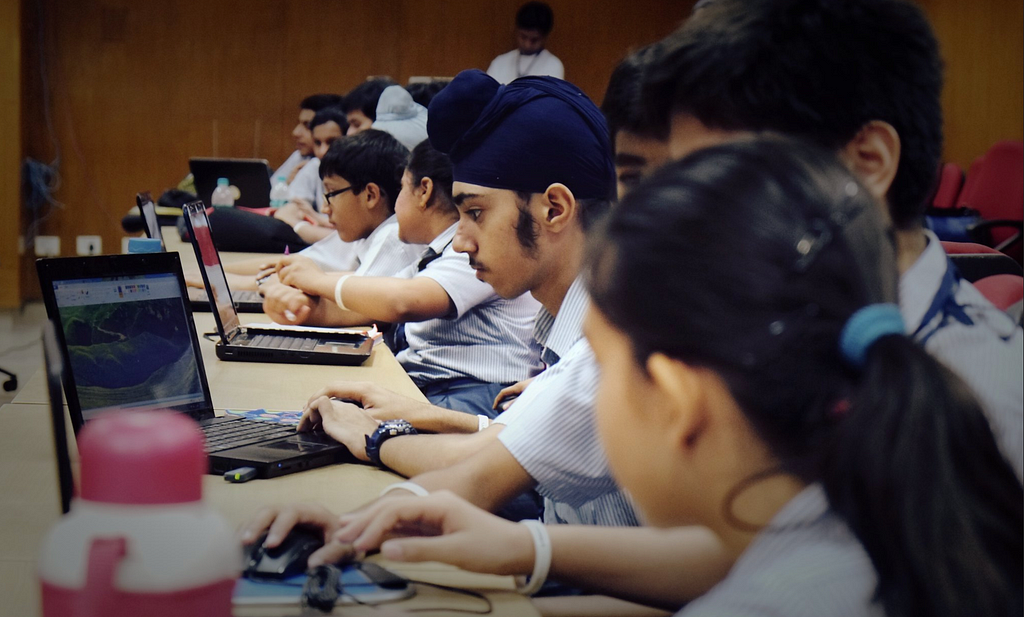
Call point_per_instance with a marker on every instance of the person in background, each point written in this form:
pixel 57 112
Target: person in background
pixel 305 192
pixel 534 22
pixel 771 395
pixel 424 91
pixel 640 144
pixel 464 343
pixel 360 104
pixel 399 115
pixel 302 135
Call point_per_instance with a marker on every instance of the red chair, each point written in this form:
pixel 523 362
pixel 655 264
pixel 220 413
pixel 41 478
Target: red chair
pixel 995 188
pixel 1002 290
pixel 964 248
pixel 951 180
pixel 977 261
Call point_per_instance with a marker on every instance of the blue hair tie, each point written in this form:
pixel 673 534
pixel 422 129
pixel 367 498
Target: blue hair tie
pixel 865 327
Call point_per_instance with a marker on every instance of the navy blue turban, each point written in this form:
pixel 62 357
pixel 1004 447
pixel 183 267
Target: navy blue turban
pixel 524 136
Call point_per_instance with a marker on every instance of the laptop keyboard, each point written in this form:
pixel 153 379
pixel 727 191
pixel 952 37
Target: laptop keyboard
pixel 270 341
pixel 225 435
pixel 247 296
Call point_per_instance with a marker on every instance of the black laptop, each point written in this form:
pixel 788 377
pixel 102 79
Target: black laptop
pixel 245 301
pixel 128 342
pixel 251 176
pixel 255 344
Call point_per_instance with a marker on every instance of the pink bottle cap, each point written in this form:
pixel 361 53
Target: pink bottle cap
pixel 142 457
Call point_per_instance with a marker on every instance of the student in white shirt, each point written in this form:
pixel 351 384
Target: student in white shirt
pixel 305 193
pixel 302 136
pixel 462 342
pixel 534 22
pixel 361 178
pixel 360 104
pixel 770 395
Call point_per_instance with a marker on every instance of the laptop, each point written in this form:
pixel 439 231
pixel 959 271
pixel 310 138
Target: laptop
pixel 251 176
pixel 255 344
pixel 54 374
pixel 128 342
pixel 245 301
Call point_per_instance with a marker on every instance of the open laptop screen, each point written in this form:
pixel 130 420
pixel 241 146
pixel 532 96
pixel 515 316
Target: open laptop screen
pixel 129 343
pixel 214 272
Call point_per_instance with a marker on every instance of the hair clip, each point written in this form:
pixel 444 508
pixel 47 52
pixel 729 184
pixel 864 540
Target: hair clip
pixel 811 243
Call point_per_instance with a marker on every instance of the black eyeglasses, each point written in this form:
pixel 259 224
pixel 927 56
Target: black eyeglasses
pixel 327 196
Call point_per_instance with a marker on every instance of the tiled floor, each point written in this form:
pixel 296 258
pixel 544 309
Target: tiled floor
pixel 21 350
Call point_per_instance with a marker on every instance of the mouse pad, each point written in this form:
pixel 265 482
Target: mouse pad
pixel 263 415
pixel 356 586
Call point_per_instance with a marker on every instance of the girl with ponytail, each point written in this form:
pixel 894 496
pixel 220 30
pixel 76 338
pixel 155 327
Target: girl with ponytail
pixel 757 381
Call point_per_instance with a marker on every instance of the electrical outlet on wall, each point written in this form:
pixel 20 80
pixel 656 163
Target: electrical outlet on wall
pixel 47 246
pixel 89 245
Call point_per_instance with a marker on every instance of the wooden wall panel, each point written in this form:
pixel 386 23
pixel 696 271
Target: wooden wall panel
pixel 10 150
pixel 983 48
pixel 138 87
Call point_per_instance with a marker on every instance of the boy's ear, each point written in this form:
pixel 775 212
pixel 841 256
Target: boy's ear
pixel 559 207
pixel 372 196
pixel 873 155
pixel 427 192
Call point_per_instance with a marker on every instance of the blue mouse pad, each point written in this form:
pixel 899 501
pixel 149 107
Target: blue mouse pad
pixel 354 584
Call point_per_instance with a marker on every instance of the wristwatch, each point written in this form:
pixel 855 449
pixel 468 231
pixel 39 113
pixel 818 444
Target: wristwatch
pixel 384 432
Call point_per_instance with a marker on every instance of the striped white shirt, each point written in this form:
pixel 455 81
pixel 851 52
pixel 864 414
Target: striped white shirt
pixel 550 428
pixel 382 253
pixel 806 563
pixel 987 354
pixel 487 338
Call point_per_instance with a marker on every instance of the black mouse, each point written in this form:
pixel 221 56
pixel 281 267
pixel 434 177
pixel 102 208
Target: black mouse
pixel 284 560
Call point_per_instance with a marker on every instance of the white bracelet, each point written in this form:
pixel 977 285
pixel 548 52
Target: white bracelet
pixel 408 485
pixel 297 226
pixel 541 558
pixel 337 291
pixel 482 422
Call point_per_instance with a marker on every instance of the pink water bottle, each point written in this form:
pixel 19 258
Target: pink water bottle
pixel 138 540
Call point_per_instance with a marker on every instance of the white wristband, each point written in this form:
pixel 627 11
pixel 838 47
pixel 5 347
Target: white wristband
pixel 482 422
pixel 337 291
pixel 408 485
pixel 541 558
pixel 297 226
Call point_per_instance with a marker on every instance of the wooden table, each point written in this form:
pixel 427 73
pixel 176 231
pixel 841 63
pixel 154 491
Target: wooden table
pixel 30 506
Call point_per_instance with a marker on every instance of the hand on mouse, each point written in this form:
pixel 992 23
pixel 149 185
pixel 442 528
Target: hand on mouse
pixel 278 520
pixel 440 527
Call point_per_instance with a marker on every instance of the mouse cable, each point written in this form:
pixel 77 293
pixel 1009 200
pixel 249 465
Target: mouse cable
pixel 465 592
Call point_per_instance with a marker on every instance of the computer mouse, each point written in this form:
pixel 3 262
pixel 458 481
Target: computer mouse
pixel 284 560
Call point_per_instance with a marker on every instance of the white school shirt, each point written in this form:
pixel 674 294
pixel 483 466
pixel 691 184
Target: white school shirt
pixel 333 254
pixel 487 338
pixel 805 563
pixel 307 185
pixel 513 65
pixel 987 354
pixel 550 428
pixel 287 166
pixel 382 253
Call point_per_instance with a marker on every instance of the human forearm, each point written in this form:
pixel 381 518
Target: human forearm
pixel 413 455
pixel 487 475
pixel 658 567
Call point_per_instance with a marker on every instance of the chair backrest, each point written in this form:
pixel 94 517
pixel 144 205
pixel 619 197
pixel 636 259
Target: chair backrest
pixel 968 248
pixel 951 180
pixel 976 266
pixel 1002 290
pixel 995 183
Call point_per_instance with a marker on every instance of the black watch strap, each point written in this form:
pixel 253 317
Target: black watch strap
pixel 387 430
